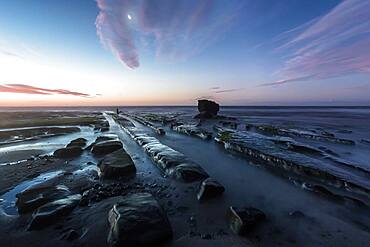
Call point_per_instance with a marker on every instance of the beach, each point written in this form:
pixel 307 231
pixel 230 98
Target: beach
pixel 305 168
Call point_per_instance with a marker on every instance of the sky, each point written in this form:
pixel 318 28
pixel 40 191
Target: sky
pixel 166 52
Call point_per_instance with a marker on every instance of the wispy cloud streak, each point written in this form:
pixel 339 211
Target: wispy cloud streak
pixel 336 44
pixel 27 89
pixel 176 30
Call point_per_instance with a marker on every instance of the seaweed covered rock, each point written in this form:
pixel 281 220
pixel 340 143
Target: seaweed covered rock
pixel 207 109
pixel 138 220
pixel 209 188
pixel 243 220
pixel 51 212
pixel 117 164
pixel 106 147
pixel 68 152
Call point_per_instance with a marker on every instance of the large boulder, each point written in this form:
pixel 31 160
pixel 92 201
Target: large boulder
pixel 68 152
pixel 207 109
pixel 51 212
pixel 117 164
pixel 243 220
pixel 210 188
pixel 138 220
pixel 106 147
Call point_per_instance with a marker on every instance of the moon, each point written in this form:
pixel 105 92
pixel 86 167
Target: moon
pixel 129 17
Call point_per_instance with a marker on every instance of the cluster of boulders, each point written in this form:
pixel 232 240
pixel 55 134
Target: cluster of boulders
pixel 53 198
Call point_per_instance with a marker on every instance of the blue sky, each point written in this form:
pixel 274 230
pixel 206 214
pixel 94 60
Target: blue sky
pixel 120 52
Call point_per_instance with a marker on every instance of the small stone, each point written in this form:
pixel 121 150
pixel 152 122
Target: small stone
pixel 210 188
pixel 71 235
pixel 206 236
pixel 243 220
pixel 296 214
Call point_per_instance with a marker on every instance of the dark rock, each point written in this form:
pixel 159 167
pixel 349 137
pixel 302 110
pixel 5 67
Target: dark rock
pixel 296 214
pixel 117 164
pixel 106 147
pixel 188 172
pixel 244 220
pixel 206 236
pixel 210 188
pixel 79 142
pixel 34 197
pixel 71 235
pixel 51 212
pixel 68 152
pixel 138 220
pixel 207 109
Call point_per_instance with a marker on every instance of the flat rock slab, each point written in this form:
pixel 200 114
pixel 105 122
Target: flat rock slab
pixel 292 156
pixel 117 164
pixel 68 152
pixel 53 211
pixel 138 220
pixel 192 130
pixel 209 188
pixel 106 147
pixel 244 220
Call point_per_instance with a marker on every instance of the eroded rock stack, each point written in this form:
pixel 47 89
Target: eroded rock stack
pixel 207 109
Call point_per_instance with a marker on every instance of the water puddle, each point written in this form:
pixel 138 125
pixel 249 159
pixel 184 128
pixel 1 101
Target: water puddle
pixel 7 200
pixel 43 146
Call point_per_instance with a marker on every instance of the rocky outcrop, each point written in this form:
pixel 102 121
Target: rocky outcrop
pixel 53 211
pixel 192 130
pixel 207 109
pixel 324 136
pixel 68 152
pixel 243 220
pixel 106 147
pixel 138 220
pixel 209 188
pixel 117 164
pixel 158 130
pixel 290 156
pixel 171 162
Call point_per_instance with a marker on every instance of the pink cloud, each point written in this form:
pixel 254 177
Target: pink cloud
pixel 333 45
pixel 27 89
pixel 176 30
